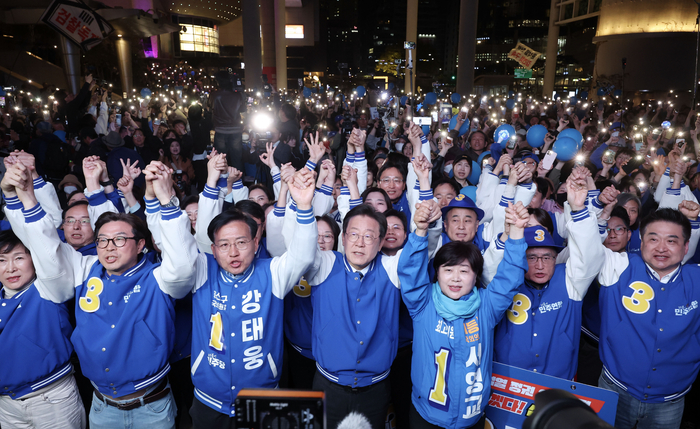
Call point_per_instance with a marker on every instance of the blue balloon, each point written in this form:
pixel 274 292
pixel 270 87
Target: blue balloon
pixel 572 133
pixel 361 91
pixel 391 85
pixel 314 90
pixel 510 103
pixel 556 95
pixel 426 129
pixel 266 94
pixel 470 191
pixel 583 95
pixel 474 175
pixel 403 100
pixel 192 72
pixel 566 148
pixel 601 92
pixel 503 133
pixel 463 129
pixel 511 93
pixel 455 98
pixel 573 101
pixel 430 98
pixel 145 93
pixel 165 86
pixel 535 135
pixel 617 93
pixel 307 92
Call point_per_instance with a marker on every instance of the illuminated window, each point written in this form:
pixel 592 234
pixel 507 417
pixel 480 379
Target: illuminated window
pixel 294 31
pixel 196 38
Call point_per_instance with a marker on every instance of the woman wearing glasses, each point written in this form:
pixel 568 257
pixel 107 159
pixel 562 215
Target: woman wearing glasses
pixel 124 302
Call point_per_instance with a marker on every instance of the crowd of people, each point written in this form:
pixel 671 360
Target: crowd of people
pixel 158 258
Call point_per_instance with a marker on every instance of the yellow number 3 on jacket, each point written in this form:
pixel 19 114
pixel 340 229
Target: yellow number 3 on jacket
pixel 90 303
pixel 640 301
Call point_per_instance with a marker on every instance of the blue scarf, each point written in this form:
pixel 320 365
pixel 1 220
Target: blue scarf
pixel 449 309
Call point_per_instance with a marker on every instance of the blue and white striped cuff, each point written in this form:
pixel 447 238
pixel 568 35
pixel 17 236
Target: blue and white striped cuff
pixel 238 184
pixel 416 187
pixel 504 181
pixel 326 190
pixel 500 245
pixel 579 215
pixel 39 183
pixel 359 156
pixel 278 211
pixel 597 203
pixel 305 216
pixel 13 203
pixel 667 173
pixel 221 183
pixel 120 193
pixel 34 214
pixel 97 199
pixel 602 229
pixel 293 206
pixel 424 139
pixel 349 158
pixel 344 190
pixel 695 224
pixel 425 195
pixel 152 206
pixel 310 165
pixel 211 193
pixel 276 178
pixel 505 200
pixel 670 191
pixel 355 203
pixel 167 213
pixel 527 186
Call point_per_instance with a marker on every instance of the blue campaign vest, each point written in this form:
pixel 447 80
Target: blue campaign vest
pixel 237 340
pixel 402 206
pixel 541 330
pixel 88 250
pixel 356 324
pixel 634 246
pixel 650 332
pixel 35 337
pixel 262 250
pixel 298 318
pixel 125 329
pixel 590 321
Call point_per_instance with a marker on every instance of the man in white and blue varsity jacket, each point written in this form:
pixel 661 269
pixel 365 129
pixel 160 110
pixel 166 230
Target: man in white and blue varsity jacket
pixel 124 303
pixel 238 302
pixel 650 320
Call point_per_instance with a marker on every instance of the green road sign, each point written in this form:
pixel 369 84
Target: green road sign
pixel 523 73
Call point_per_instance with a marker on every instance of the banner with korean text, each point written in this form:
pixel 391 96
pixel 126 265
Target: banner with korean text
pixel 524 55
pixel 77 22
pixel 513 393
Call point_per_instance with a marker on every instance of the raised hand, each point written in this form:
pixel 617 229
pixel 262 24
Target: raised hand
pixel 517 218
pixel 690 209
pixel 577 192
pixel 504 160
pixel 328 166
pixel 214 169
pixel 161 179
pixel 20 178
pixel 126 185
pixel 130 169
pixel 422 167
pixel 422 218
pixel 302 188
pixel 287 172
pixel 316 148
pixel 268 158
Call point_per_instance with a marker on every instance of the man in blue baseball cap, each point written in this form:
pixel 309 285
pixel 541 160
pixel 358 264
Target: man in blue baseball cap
pixel 541 330
pixel 461 221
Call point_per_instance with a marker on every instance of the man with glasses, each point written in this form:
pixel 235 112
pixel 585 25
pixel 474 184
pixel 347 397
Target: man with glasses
pixel 238 298
pixel 125 311
pixel 541 329
pixel 78 230
pixel 355 300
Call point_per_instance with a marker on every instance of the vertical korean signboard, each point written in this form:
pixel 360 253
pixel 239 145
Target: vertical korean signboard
pixel 77 22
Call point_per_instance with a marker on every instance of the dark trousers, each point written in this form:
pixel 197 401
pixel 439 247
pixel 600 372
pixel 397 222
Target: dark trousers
pixel 204 417
pixel 401 385
pixel 589 364
pixel 183 390
pixel 301 370
pixel 371 401
pixel 418 422
pixel 232 146
pixel 200 172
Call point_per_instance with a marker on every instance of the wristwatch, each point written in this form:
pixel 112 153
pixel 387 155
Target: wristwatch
pixel 174 202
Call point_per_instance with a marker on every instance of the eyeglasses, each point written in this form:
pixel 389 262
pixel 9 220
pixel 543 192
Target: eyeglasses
pixel 546 259
pixel 367 238
pixel 618 230
pixel 394 180
pixel 120 241
pixel 326 238
pixel 239 244
pixel 71 221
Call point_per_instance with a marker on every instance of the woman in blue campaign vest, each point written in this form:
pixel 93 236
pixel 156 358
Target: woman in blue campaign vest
pixel 124 302
pixel 454 322
pixel 35 371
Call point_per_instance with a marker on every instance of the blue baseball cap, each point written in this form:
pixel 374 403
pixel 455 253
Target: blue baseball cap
pixel 526 155
pixel 617 125
pixel 538 236
pixel 462 201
